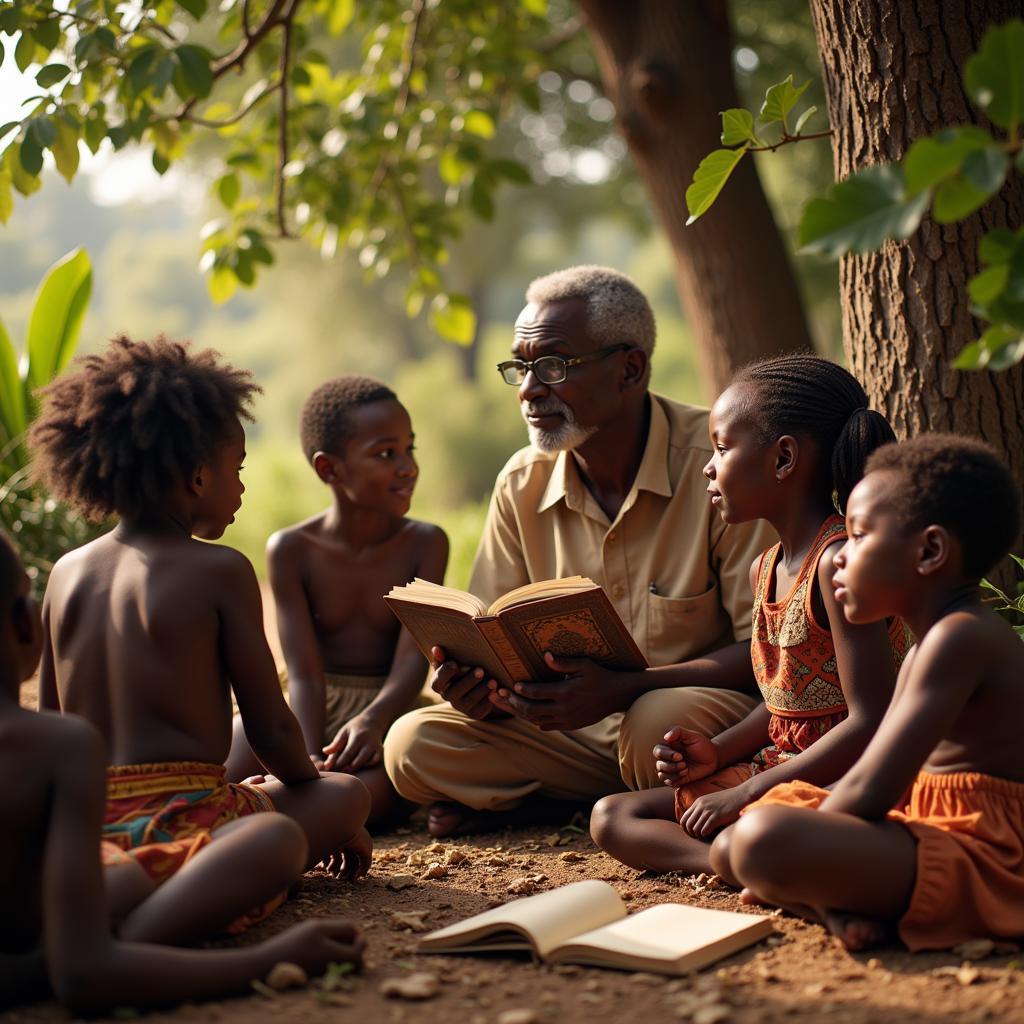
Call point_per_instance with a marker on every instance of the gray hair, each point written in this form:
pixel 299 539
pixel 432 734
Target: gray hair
pixel 617 310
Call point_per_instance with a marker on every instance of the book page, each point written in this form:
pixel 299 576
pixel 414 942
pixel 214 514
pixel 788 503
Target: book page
pixel 672 938
pixel 549 918
pixel 542 588
pixel 425 592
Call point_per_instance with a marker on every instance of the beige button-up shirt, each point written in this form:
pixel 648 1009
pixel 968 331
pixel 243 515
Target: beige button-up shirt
pixel 677 575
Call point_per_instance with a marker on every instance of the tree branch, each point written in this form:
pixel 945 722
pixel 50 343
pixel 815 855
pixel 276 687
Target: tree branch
pixel 282 121
pixel 235 118
pixel 787 139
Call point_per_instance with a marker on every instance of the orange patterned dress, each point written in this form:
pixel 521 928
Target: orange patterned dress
pixel 795 667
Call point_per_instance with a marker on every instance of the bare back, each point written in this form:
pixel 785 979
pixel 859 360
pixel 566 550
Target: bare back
pixel 135 645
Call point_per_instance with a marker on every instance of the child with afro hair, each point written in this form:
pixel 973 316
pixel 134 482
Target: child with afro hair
pixel 924 836
pixel 147 632
pixel 352 668
pixel 56 897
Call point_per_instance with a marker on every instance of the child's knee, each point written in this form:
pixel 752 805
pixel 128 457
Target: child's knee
pixel 278 843
pixel 352 797
pixel 610 818
pixel 758 847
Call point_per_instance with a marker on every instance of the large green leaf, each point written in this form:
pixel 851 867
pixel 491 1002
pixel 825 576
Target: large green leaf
pixel 999 348
pixel 980 178
pixel 12 390
pixel 709 178
pixel 737 127
pixel 994 76
pixel 940 156
pixel 860 213
pixel 57 317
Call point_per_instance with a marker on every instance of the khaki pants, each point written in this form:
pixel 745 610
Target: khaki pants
pixel 438 753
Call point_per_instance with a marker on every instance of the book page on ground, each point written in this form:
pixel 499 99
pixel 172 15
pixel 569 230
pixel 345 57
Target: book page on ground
pixel 540 922
pixel 672 938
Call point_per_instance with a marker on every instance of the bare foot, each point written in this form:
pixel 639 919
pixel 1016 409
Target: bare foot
pixel 857 932
pixel 448 819
pixel 749 899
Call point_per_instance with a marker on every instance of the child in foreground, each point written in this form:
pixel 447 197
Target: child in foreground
pixel 790 437
pixel 352 669
pixel 944 862
pixel 56 932
pixel 147 632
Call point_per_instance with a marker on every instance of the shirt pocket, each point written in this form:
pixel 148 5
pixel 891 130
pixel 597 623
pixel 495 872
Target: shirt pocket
pixel 682 627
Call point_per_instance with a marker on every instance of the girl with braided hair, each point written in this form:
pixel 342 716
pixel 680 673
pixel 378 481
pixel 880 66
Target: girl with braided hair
pixel 790 437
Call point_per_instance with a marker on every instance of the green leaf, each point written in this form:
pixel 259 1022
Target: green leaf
pixel 479 122
pixel 65 148
pixel 989 284
pixel 222 284
pixel 24 182
pixel 994 76
pixel 194 76
pixel 138 74
pixel 997 246
pixel 9 127
pixel 339 14
pixel 160 162
pixel 737 126
pixel 709 178
pixel 803 119
pixel 197 8
pixel 536 7
pixel 513 170
pixel 6 198
pixel 56 317
pixel 980 177
pixel 999 348
pixel 860 213
pixel 780 99
pixel 453 319
pixel 940 156
pixel 95 133
pixel 450 167
pixel 12 388
pixel 31 156
pixel 47 33
pixel 50 75
pixel 25 51
pixel 42 131
pixel 229 188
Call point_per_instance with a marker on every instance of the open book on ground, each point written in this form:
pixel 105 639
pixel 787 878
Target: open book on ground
pixel 571 617
pixel 587 923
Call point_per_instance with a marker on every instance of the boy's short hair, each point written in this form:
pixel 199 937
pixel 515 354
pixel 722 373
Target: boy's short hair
pixel 326 421
pixel 122 428
pixel 959 483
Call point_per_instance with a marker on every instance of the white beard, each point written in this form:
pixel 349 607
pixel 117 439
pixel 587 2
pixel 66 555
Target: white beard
pixel 568 436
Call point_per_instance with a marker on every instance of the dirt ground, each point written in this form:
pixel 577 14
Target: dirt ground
pixel 798 974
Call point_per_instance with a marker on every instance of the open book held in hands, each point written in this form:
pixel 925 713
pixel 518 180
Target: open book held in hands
pixel 571 618
pixel 587 923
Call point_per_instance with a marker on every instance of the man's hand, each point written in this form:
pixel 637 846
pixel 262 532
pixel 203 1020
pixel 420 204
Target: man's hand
pixel 464 687
pixel 353 860
pixel 357 744
pixel 589 693
pixel 685 756
pixel 713 811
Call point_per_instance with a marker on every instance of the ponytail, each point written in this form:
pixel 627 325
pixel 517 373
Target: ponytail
pixel 863 432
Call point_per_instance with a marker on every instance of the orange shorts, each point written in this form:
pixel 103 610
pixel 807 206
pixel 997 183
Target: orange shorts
pixel 161 815
pixel 969 829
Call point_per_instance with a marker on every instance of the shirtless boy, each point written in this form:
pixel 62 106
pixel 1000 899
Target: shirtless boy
pixel 147 631
pixel 925 834
pixel 351 669
pixel 56 934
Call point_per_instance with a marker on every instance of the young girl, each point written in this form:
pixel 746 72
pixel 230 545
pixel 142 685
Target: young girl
pixel 790 437
pixel 926 831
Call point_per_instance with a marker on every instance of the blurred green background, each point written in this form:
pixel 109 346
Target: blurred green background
pixel 311 318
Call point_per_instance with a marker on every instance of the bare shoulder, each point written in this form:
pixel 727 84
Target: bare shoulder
pixel 55 739
pixel 293 542
pixel 427 534
pixel 222 564
pixel 963 643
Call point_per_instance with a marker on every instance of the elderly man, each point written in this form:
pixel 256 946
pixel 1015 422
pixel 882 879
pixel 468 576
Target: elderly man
pixel 610 488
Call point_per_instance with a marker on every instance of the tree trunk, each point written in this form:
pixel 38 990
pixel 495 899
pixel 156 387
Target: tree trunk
pixel 893 72
pixel 667 66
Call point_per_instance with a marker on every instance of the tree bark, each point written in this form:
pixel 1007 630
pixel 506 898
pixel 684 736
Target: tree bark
pixel 893 73
pixel 667 67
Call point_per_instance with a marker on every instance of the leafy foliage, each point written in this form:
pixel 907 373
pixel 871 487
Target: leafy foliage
pixel 1012 607
pixel 954 172
pixel 42 528
pixel 374 124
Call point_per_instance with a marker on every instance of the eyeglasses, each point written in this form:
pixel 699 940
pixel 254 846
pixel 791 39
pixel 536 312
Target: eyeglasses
pixel 551 369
